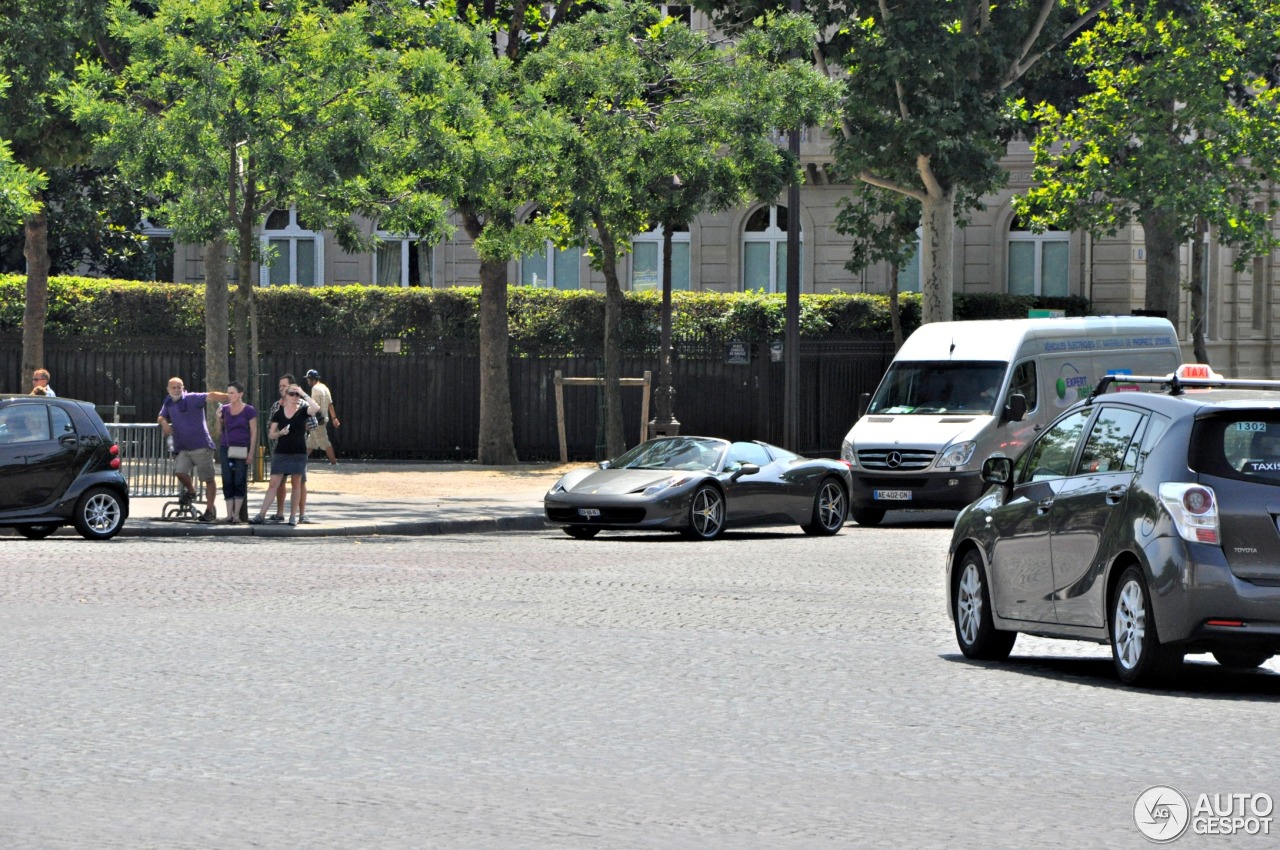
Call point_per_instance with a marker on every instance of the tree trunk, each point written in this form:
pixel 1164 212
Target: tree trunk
pixel 614 436
pixel 1199 319
pixel 895 307
pixel 497 439
pixel 216 305
pixel 37 307
pixel 1163 272
pixel 246 316
pixel 937 241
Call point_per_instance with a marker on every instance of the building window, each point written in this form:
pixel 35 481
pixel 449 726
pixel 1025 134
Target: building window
pixel 402 260
pixel 1038 262
pixel 646 259
pixel 298 251
pixel 158 254
pixel 553 268
pixel 764 250
pixel 909 270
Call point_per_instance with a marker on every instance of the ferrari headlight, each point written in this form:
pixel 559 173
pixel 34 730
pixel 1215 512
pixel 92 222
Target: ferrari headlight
pixel 659 486
pixel 558 487
pixel 957 454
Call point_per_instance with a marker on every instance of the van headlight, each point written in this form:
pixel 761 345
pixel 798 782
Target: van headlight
pixel 957 454
pixel 847 453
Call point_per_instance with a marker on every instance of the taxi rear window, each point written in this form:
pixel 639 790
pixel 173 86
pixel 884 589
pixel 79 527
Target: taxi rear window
pixel 1244 446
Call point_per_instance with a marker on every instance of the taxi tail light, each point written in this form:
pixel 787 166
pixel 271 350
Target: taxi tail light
pixel 1194 510
pixel 114 463
pixel 1235 624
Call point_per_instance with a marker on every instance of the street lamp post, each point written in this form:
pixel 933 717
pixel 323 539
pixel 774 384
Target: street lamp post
pixel 791 342
pixel 664 422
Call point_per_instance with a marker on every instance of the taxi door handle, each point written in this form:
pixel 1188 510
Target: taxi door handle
pixel 1043 506
pixel 1116 493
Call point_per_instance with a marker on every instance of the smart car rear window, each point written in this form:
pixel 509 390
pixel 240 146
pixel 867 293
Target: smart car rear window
pixel 1242 445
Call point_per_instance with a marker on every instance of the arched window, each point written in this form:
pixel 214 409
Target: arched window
pixel 401 260
pixel 298 251
pixel 646 259
pixel 1039 263
pixel 764 250
pixel 553 268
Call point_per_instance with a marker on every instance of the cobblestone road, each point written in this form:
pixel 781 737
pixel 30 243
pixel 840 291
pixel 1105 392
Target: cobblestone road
pixel 497 691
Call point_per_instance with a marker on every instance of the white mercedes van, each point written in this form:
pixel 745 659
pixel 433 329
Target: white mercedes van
pixel 959 392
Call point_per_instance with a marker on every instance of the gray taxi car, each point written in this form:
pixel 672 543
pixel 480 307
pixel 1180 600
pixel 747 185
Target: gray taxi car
pixel 1146 520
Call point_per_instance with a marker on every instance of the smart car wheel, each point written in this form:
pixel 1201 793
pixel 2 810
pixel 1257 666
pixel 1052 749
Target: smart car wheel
pixel 36 532
pixel 971 609
pixel 706 514
pixel 579 532
pixel 867 516
pixel 1139 656
pixel 99 514
pixel 829 510
pixel 1241 659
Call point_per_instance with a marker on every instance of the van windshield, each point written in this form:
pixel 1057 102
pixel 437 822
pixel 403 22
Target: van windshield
pixel 939 386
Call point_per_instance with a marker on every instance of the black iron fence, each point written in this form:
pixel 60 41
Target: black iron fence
pixel 425 404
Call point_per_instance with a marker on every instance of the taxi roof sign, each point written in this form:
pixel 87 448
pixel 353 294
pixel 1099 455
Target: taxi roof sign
pixel 1196 372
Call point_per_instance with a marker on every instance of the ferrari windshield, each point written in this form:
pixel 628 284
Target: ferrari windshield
pixel 688 453
pixel 919 386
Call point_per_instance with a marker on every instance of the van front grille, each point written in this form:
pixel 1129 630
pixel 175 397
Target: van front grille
pixel 896 460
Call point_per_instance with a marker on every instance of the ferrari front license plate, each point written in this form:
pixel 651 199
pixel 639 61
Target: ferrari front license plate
pixel 891 495
pixel 588 512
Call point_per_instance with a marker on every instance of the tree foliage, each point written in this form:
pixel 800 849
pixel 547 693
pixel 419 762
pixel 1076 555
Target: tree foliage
pixel 1181 124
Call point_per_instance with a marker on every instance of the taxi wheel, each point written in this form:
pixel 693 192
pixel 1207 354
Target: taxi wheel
pixel 1241 659
pixel 971 611
pixel 1138 655
pixel 578 532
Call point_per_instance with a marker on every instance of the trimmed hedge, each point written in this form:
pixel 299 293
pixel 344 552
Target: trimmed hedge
pixel 542 321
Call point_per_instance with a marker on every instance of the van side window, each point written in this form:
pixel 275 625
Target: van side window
pixel 1024 381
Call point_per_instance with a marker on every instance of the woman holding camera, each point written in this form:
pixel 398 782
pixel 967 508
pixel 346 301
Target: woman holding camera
pixel 235 447
pixel 288 427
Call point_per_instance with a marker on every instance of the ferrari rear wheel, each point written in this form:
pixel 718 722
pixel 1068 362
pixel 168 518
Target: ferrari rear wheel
pixel 829 510
pixel 706 514
pixel 580 532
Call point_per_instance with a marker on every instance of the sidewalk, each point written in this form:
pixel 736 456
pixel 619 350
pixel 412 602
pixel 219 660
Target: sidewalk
pixel 367 498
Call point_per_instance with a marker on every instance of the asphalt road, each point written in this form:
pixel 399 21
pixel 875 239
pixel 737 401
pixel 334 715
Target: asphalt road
pixel 768 690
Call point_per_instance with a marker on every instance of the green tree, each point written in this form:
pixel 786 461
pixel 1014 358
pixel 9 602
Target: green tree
pixel 886 229
pixel 648 99
pixel 928 90
pixel 1180 130
pixel 38 45
pixel 227 110
pixel 475 134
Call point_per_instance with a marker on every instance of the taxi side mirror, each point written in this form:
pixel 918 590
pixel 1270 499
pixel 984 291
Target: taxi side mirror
pixel 997 470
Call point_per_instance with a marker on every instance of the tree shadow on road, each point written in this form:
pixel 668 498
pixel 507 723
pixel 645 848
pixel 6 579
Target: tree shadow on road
pixel 1198 679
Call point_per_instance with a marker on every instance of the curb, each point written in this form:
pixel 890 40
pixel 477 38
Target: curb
pixel 407 528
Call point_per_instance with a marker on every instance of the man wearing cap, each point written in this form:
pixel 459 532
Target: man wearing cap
pixel 318 438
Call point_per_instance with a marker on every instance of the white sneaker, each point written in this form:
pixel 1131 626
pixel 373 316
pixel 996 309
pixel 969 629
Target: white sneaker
pixel 304 520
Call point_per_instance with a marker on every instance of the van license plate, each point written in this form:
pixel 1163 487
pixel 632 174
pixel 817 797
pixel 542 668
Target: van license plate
pixel 891 495
pixel 588 512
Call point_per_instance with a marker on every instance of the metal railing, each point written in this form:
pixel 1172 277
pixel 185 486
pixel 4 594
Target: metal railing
pixel 144 459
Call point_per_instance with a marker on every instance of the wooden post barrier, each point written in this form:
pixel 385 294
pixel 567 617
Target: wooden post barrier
pixel 562 382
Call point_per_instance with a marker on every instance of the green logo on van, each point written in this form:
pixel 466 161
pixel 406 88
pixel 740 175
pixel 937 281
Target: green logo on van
pixel 1061 387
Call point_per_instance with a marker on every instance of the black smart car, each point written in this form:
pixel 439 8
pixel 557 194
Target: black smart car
pixel 1147 520
pixel 58 465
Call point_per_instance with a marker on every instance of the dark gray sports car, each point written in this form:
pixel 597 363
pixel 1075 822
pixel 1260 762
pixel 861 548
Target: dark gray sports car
pixel 700 485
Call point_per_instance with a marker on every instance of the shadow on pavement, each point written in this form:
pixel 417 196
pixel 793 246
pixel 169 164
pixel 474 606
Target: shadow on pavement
pixel 1200 679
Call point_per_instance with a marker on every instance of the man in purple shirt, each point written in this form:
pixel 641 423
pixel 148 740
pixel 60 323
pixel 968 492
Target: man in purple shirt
pixel 182 416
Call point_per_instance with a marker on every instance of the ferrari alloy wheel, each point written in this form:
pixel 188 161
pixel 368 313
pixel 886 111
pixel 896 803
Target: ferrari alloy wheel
pixel 829 509
pixel 706 514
